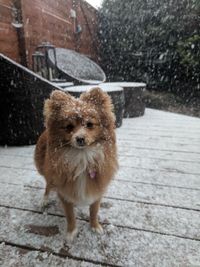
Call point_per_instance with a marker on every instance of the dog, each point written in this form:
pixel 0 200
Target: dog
pixel 77 153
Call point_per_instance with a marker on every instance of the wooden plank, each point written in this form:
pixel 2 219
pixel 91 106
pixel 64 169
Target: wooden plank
pixel 172 179
pixel 156 133
pixel 145 193
pixel 28 151
pixel 21 177
pixel 169 124
pixel 172 123
pixel 118 246
pixel 11 255
pixel 159 138
pixel 159 195
pixel 167 146
pixel 164 165
pixel 158 154
pixel 161 131
pixel 152 218
pixel 20 150
pixel 171 128
pixel 131 175
pixel 154 117
pixel 17 161
pixel 160 114
pixel 162 121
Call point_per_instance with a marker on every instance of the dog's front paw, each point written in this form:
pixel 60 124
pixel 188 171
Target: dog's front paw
pixel 44 202
pixel 71 235
pixel 97 229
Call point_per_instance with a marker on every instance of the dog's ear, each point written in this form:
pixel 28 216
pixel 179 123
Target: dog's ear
pixel 60 96
pixel 102 102
pixel 53 105
pixel 98 98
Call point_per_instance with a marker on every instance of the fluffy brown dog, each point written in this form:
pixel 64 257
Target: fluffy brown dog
pixel 77 152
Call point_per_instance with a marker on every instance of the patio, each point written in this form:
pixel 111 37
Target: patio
pixel 150 214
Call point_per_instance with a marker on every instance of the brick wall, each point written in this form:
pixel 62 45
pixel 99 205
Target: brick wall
pixel 8 34
pixel 48 20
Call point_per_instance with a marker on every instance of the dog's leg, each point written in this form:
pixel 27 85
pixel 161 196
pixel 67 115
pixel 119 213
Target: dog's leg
pixel 94 223
pixel 44 203
pixel 71 220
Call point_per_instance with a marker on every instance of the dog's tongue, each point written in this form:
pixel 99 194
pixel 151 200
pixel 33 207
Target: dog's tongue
pixel 92 174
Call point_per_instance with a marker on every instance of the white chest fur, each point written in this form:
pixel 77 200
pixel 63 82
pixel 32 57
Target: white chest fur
pixel 83 197
pixel 80 161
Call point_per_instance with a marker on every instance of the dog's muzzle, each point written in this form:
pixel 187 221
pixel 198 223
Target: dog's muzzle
pixel 80 141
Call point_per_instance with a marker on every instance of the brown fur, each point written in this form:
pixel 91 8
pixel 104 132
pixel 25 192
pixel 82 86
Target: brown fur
pixel 67 167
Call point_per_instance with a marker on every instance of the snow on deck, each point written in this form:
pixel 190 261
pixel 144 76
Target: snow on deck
pixel 150 214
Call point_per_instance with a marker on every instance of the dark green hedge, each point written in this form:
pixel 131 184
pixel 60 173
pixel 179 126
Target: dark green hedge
pixel 155 41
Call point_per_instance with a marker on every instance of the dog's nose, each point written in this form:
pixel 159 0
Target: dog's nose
pixel 80 141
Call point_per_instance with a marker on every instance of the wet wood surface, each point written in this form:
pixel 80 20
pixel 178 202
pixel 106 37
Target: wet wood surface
pixel 150 213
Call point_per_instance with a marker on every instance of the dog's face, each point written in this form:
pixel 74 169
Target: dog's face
pixel 79 122
pixel 81 127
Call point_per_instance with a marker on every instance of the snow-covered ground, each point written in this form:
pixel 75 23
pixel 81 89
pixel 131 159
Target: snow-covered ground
pixel 150 214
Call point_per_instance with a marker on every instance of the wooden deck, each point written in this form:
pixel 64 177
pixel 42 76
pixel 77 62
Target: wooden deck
pixel 151 212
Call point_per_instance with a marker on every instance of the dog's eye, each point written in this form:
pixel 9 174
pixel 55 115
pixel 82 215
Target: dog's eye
pixel 89 125
pixel 69 127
